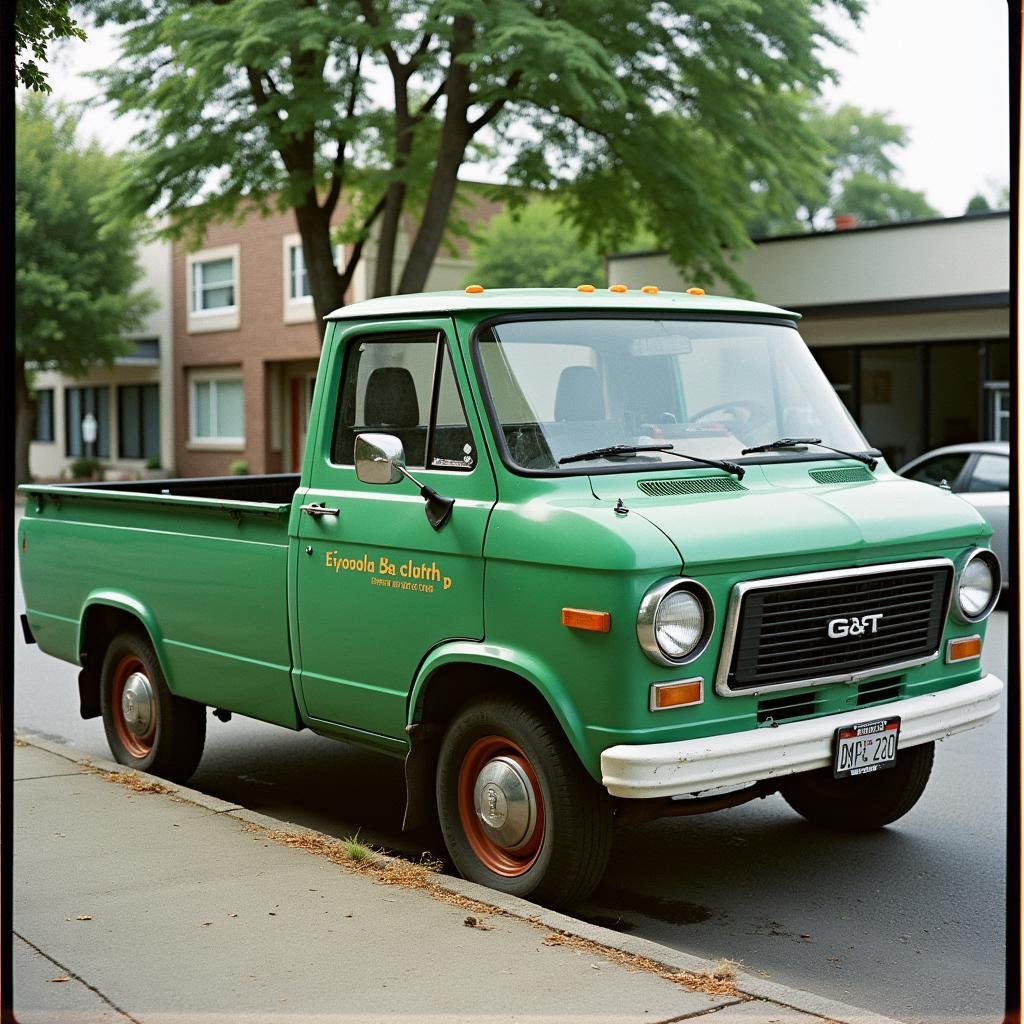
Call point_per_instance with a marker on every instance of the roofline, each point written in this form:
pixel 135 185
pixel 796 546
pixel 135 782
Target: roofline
pixel 918 304
pixel 924 222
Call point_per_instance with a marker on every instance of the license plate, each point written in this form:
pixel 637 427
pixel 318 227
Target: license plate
pixel 867 747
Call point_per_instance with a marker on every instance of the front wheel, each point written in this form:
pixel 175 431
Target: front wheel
pixel 863 803
pixel 518 811
pixel 147 726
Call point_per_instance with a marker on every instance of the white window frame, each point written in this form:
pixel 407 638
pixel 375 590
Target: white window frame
pixel 213 377
pixel 223 318
pixel 298 309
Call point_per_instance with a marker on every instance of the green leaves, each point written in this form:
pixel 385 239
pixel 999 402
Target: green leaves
pixel 37 24
pixel 76 268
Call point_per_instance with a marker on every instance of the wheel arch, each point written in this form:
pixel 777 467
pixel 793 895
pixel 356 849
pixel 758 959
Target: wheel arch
pixel 105 614
pixel 448 678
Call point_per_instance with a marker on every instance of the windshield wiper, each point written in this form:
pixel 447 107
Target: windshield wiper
pixel 632 449
pixel 793 442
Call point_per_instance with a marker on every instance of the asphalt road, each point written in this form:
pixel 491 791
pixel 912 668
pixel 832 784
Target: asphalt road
pixel 906 922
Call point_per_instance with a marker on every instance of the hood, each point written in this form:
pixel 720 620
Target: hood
pixel 766 520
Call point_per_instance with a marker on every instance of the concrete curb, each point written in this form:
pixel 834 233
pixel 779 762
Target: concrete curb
pixel 673 959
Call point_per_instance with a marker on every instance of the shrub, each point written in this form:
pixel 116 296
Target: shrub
pixel 153 462
pixel 86 469
pixel 240 467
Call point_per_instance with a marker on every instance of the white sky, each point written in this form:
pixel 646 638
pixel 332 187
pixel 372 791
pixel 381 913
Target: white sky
pixel 939 67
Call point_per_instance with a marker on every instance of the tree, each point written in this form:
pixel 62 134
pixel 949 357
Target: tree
pixel 995 197
pixel 75 261
pixel 858 176
pixel 37 23
pixel 659 112
pixel 533 247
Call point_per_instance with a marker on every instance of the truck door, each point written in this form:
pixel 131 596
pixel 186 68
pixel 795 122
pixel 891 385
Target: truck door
pixel 376 586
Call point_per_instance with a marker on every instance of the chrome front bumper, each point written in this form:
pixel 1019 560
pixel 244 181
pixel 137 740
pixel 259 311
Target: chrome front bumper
pixel 691 766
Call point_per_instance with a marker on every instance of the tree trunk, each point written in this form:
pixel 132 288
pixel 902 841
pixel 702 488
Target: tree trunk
pixel 455 136
pixel 24 421
pixel 326 284
pixel 391 220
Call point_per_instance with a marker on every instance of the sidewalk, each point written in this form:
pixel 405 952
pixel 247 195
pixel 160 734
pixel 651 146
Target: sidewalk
pixel 136 901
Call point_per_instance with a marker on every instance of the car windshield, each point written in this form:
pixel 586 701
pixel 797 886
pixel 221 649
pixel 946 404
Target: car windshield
pixel 562 387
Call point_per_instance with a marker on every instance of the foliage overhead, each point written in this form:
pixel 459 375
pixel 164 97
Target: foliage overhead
pixel 859 175
pixel 533 247
pixel 37 24
pixel 75 262
pixel 657 113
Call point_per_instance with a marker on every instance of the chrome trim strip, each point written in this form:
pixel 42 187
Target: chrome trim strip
pixel 733 615
pixel 655 687
pixel 960 640
pixel 649 609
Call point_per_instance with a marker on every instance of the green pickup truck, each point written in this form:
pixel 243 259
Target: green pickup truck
pixel 579 557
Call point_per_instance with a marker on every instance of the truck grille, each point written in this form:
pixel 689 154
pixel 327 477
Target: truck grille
pixel 782 627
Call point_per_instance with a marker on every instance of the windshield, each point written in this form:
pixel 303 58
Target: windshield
pixel 563 387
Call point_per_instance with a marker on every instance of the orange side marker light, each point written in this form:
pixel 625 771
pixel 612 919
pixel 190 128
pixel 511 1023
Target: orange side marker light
pixel 588 288
pixel 619 289
pixel 474 289
pixel 649 289
pixel 695 291
pixel 964 649
pixel 676 695
pixel 581 618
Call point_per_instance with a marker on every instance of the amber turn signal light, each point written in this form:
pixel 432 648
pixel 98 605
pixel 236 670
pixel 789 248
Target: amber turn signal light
pixel 963 649
pixel 581 618
pixel 676 695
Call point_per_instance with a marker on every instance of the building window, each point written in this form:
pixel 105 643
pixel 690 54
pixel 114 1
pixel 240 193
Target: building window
pixel 44 415
pixel 79 405
pixel 298 279
pixel 213 285
pixel 217 410
pixel 138 419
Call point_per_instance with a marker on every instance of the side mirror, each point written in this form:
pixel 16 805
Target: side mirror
pixel 380 458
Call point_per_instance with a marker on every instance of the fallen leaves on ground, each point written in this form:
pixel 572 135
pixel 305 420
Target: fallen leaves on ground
pixel 83 917
pixel 476 922
pixel 719 982
pixel 137 784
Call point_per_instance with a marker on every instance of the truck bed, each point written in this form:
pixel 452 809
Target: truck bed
pixel 201 563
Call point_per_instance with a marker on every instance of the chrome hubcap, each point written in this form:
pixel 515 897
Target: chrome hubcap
pixel 137 704
pixel 505 803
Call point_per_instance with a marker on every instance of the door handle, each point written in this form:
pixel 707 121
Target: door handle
pixel 316 510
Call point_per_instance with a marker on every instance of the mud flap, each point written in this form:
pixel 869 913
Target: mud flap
pixel 420 766
pixel 88 694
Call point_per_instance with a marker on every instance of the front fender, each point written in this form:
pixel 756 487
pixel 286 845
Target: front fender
pixel 535 673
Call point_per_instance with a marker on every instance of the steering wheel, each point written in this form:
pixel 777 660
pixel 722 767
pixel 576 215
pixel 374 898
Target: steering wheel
pixel 743 416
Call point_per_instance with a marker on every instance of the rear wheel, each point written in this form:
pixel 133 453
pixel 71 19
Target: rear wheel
pixel 518 811
pixel 863 803
pixel 147 726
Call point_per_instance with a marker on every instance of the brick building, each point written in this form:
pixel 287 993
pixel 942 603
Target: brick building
pixel 246 346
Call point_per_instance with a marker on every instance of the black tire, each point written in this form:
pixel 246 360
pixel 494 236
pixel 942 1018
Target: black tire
pixel 863 803
pixel 160 733
pixel 566 852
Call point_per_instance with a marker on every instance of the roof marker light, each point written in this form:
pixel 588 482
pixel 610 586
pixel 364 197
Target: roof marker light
pixel 618 288
pixel 474 289
pixel 588 288
pixel 694 291
pixel 649 289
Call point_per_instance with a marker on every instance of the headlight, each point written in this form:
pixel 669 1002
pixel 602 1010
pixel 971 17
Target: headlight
pixel 674 622
pixel 977 586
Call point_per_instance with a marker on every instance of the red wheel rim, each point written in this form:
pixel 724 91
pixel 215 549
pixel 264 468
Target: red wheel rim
pixel 510 863
pixel 136 744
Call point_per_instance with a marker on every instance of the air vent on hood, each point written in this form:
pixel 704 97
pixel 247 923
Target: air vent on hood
pixel 690 485
pixel 853 475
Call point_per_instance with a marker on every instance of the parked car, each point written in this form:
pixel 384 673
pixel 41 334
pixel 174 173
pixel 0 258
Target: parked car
pixel 980 473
